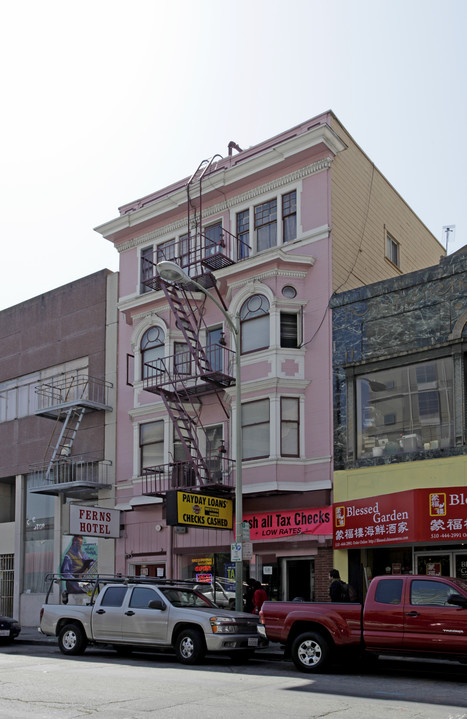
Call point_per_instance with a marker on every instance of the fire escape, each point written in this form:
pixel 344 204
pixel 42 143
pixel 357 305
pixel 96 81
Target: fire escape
pixel 65 399
pixel 181 381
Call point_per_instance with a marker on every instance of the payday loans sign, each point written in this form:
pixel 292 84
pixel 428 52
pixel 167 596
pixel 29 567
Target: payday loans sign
pixel 194 509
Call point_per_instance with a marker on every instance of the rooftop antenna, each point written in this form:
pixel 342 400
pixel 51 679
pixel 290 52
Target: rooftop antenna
pixel 447 229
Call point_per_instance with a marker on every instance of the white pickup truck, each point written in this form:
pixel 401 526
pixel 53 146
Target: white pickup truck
pixel 128 612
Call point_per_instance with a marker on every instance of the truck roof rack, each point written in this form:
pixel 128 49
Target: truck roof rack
pixel 95 581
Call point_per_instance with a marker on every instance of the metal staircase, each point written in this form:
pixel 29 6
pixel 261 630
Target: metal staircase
pixel 182 384
pixel 66 398
pixel 66 438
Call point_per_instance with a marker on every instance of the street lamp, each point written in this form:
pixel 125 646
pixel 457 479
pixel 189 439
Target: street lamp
pixel 171 272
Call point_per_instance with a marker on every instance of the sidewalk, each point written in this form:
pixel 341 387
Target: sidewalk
pixel 30 635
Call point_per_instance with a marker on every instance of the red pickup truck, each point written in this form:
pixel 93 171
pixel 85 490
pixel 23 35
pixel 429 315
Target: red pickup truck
pixel 404 615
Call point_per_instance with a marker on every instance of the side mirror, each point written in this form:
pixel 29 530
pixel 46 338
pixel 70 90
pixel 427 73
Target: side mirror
pixel 156 604
pixel 458 600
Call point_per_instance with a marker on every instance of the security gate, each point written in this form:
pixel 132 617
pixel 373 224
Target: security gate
pixel 6 584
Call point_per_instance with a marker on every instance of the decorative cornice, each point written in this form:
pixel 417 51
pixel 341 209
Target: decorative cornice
pixel 246 197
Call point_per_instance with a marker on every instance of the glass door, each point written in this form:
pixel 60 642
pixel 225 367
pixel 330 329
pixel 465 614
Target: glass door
pixel 435 564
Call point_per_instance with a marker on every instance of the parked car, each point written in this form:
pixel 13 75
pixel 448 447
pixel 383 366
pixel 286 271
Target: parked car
pixel 9 629
pixel 128 612
pixel 417 616
pixel 217 594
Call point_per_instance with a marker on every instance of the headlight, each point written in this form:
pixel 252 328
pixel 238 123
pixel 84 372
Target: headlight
pixel 223 625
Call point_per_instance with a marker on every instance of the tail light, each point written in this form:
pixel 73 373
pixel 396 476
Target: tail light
pixel 261 616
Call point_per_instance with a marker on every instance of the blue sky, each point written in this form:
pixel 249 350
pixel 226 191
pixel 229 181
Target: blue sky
pixel 107 101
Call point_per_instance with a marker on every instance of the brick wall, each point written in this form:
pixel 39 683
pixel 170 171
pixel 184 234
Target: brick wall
pixel 323 564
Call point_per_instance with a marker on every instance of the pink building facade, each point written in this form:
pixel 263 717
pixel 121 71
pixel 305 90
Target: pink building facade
pixel 256 229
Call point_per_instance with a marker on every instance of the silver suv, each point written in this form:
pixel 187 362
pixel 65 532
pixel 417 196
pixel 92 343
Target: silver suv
pixel 130 613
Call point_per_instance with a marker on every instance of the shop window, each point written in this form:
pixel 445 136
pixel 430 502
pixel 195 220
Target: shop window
pixel 290 426
pixel 254 324
pixel 152 350
pixel 405 409
pixel 255 429
pixel 151 444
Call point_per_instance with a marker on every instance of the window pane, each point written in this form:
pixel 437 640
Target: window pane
pixel 243 234
pixel 405 409
pixel 255 334
pixel 256 441
pixel 255 429
pixel 289 426
pixel 151 432
pixel 254 412
pixel 289 330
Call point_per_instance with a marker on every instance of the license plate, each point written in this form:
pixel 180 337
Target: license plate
pixel 252 641
pixel 4 632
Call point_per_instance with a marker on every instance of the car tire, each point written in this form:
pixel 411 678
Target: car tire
pixel 190 646
pixel 72 639
pixel 310 652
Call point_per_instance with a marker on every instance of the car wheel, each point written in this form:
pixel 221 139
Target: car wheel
pixel 72 639
pixel 310 652
pixel 190 646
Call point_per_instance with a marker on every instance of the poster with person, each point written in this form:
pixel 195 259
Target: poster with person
pixel 79 563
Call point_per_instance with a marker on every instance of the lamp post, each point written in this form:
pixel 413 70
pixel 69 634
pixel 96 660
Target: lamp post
pixel 171 272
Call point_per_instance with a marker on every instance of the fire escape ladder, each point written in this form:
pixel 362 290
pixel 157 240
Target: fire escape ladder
pixel 187 323
pixel 64 444
pixel 203 169
pixel 185 425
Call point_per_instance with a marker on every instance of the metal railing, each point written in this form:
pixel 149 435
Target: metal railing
pixel 73 470
pixel 72 387
pixel 162 478
pixel 180 368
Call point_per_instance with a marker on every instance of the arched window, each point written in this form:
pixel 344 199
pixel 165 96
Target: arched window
pixel 152 348
pixel 254 324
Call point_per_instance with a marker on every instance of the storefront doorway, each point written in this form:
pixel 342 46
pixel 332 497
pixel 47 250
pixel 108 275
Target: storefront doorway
pixel 298 575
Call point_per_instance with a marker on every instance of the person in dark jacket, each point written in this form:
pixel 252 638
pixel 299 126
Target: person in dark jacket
pixel 335 586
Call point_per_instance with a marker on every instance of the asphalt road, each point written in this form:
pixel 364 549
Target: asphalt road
pixel 36 680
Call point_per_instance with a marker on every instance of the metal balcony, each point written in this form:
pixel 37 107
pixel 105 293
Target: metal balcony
pixel 71 389
pixel 199 255
pixel 159 480
pixel 188 376
pixel 77 477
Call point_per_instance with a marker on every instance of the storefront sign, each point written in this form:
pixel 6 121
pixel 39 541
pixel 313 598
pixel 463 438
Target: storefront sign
pixel 199 510
pixel 417 515
pixel 94 521
pixel 290 522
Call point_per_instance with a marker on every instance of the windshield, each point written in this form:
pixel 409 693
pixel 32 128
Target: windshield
pixel 185 597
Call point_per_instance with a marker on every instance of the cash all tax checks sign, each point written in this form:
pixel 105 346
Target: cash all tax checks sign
pixel 417 515
pixel 290 522
pixel 194 509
